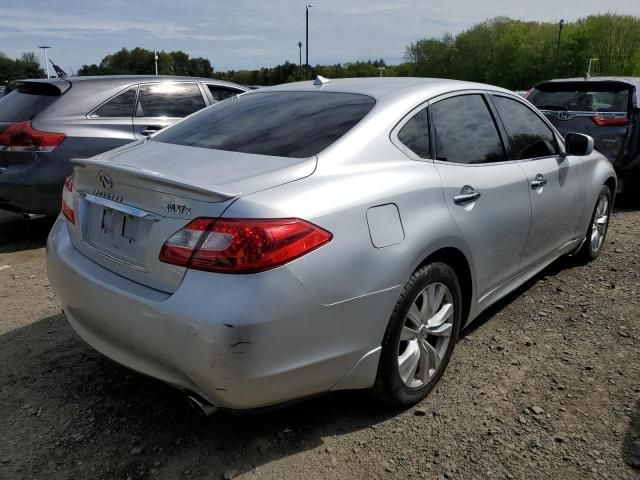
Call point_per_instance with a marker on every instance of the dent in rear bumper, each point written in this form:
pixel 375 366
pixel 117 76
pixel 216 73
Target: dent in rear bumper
pixel 241 341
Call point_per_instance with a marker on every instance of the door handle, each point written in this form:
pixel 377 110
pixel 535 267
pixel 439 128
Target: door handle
pixel 467 195
pixel 150 130
pixel 539 182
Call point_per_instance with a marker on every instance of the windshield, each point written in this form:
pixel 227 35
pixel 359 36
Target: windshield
pixel 284 124
pixel 581 97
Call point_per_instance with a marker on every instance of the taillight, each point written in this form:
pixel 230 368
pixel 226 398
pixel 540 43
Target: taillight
pixel 22 137
pixel 241 245
pixel 67 200
pixel 610 121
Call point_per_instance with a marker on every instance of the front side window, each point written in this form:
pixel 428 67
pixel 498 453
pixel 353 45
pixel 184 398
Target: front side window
pixel 119 106
pixel 283 124
pixel 175 100
pixel 530 137
pixel 465 131
pixel 415 134
pixel 220 93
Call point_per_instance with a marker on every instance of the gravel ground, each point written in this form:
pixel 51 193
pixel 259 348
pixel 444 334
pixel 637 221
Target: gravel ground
pixel 545 385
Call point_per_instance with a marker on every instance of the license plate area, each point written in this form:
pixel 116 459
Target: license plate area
pixel 117 235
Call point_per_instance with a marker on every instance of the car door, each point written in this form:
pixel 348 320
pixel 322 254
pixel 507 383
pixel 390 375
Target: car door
pixel 556 183
pixel 486 195
pixel 163 103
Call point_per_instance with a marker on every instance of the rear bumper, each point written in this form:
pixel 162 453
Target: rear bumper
pixel 241 341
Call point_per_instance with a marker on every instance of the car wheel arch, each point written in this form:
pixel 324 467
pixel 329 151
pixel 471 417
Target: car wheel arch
pixel 462 266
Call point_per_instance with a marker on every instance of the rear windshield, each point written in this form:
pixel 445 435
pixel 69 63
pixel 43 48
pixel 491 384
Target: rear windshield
pixel 283 124
pixel 19 105
pixel 581 97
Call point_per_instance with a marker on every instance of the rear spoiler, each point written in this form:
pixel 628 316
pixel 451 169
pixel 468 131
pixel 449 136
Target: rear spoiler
pixel 156 177
pixel 51 87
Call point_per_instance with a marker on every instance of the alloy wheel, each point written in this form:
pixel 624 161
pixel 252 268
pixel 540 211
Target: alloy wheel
pixel 425 335
pixel 600 223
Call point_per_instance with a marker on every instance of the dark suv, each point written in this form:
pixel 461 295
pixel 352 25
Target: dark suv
pixel 606 108
pixel 44 123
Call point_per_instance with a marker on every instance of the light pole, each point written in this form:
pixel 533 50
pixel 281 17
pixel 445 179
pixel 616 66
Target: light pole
pixel 589 69
pixel 560 25
pixel 155 57
pixel 300 63
pixel 306 66
pixel 46 59
pixel 382 69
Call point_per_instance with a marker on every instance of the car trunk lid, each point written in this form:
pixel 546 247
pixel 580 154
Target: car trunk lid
pixel 131 200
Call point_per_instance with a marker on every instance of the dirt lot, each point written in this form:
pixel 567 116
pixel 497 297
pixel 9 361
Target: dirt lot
pixel 545 385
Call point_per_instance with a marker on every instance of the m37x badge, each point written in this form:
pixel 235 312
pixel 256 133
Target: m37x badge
pixel 179 209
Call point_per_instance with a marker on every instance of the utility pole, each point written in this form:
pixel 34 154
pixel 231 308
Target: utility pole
pixel 589 69
pixel 306 67
pixel 155 57
pixel 560 25
pixel 300 63
pixel 46 59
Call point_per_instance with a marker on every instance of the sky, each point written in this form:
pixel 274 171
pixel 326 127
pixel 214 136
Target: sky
pixel 247 34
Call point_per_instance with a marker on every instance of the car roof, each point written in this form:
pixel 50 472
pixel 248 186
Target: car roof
pixel 114 80
pixel 379 87
pixel 634 81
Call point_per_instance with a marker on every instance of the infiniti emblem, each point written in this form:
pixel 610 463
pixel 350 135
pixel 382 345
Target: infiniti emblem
pixel 105 180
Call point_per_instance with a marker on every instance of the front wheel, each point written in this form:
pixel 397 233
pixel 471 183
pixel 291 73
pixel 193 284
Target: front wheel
pixel 420 337
pixel 594 241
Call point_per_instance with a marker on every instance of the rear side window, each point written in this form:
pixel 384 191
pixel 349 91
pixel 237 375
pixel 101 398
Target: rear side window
pixel 284 124
pixel 530 137
pixel 221 93
pixel 581 96
pixel 169 100
pixel 465 131
pixel 415 134
pixel 19 106
pixel 119 106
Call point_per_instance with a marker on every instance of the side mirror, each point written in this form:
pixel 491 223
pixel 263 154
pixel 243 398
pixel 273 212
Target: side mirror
pixel 578 144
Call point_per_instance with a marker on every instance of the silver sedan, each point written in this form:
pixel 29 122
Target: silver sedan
pixel 319 236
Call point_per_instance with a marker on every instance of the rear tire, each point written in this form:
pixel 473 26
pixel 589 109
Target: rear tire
pixel 598 227
pixel 420 337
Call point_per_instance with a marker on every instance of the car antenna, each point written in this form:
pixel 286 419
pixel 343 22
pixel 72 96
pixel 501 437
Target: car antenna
pixel 320 80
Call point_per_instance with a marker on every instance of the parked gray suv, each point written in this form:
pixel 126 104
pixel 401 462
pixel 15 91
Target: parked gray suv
pixel 44 123
pixel 605 108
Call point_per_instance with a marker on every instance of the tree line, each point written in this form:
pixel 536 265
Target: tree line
pixel 502 51
pixel 140 61
pixel 516 54
pixel 27 66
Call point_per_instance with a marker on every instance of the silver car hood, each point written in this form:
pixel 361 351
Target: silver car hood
pixel 201 170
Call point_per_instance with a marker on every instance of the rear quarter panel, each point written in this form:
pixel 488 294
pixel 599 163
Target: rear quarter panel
pixel 337 198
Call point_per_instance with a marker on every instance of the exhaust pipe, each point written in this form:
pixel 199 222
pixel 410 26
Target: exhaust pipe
pixel 32 216
pixel 201 406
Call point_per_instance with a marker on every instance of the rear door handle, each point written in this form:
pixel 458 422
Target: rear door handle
pixel 467 195
pixel 539 182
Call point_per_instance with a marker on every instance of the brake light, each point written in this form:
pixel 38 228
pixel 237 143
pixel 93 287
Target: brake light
pixel 242 245
pixel 607 121
pixel 67 200
pixel 22 137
